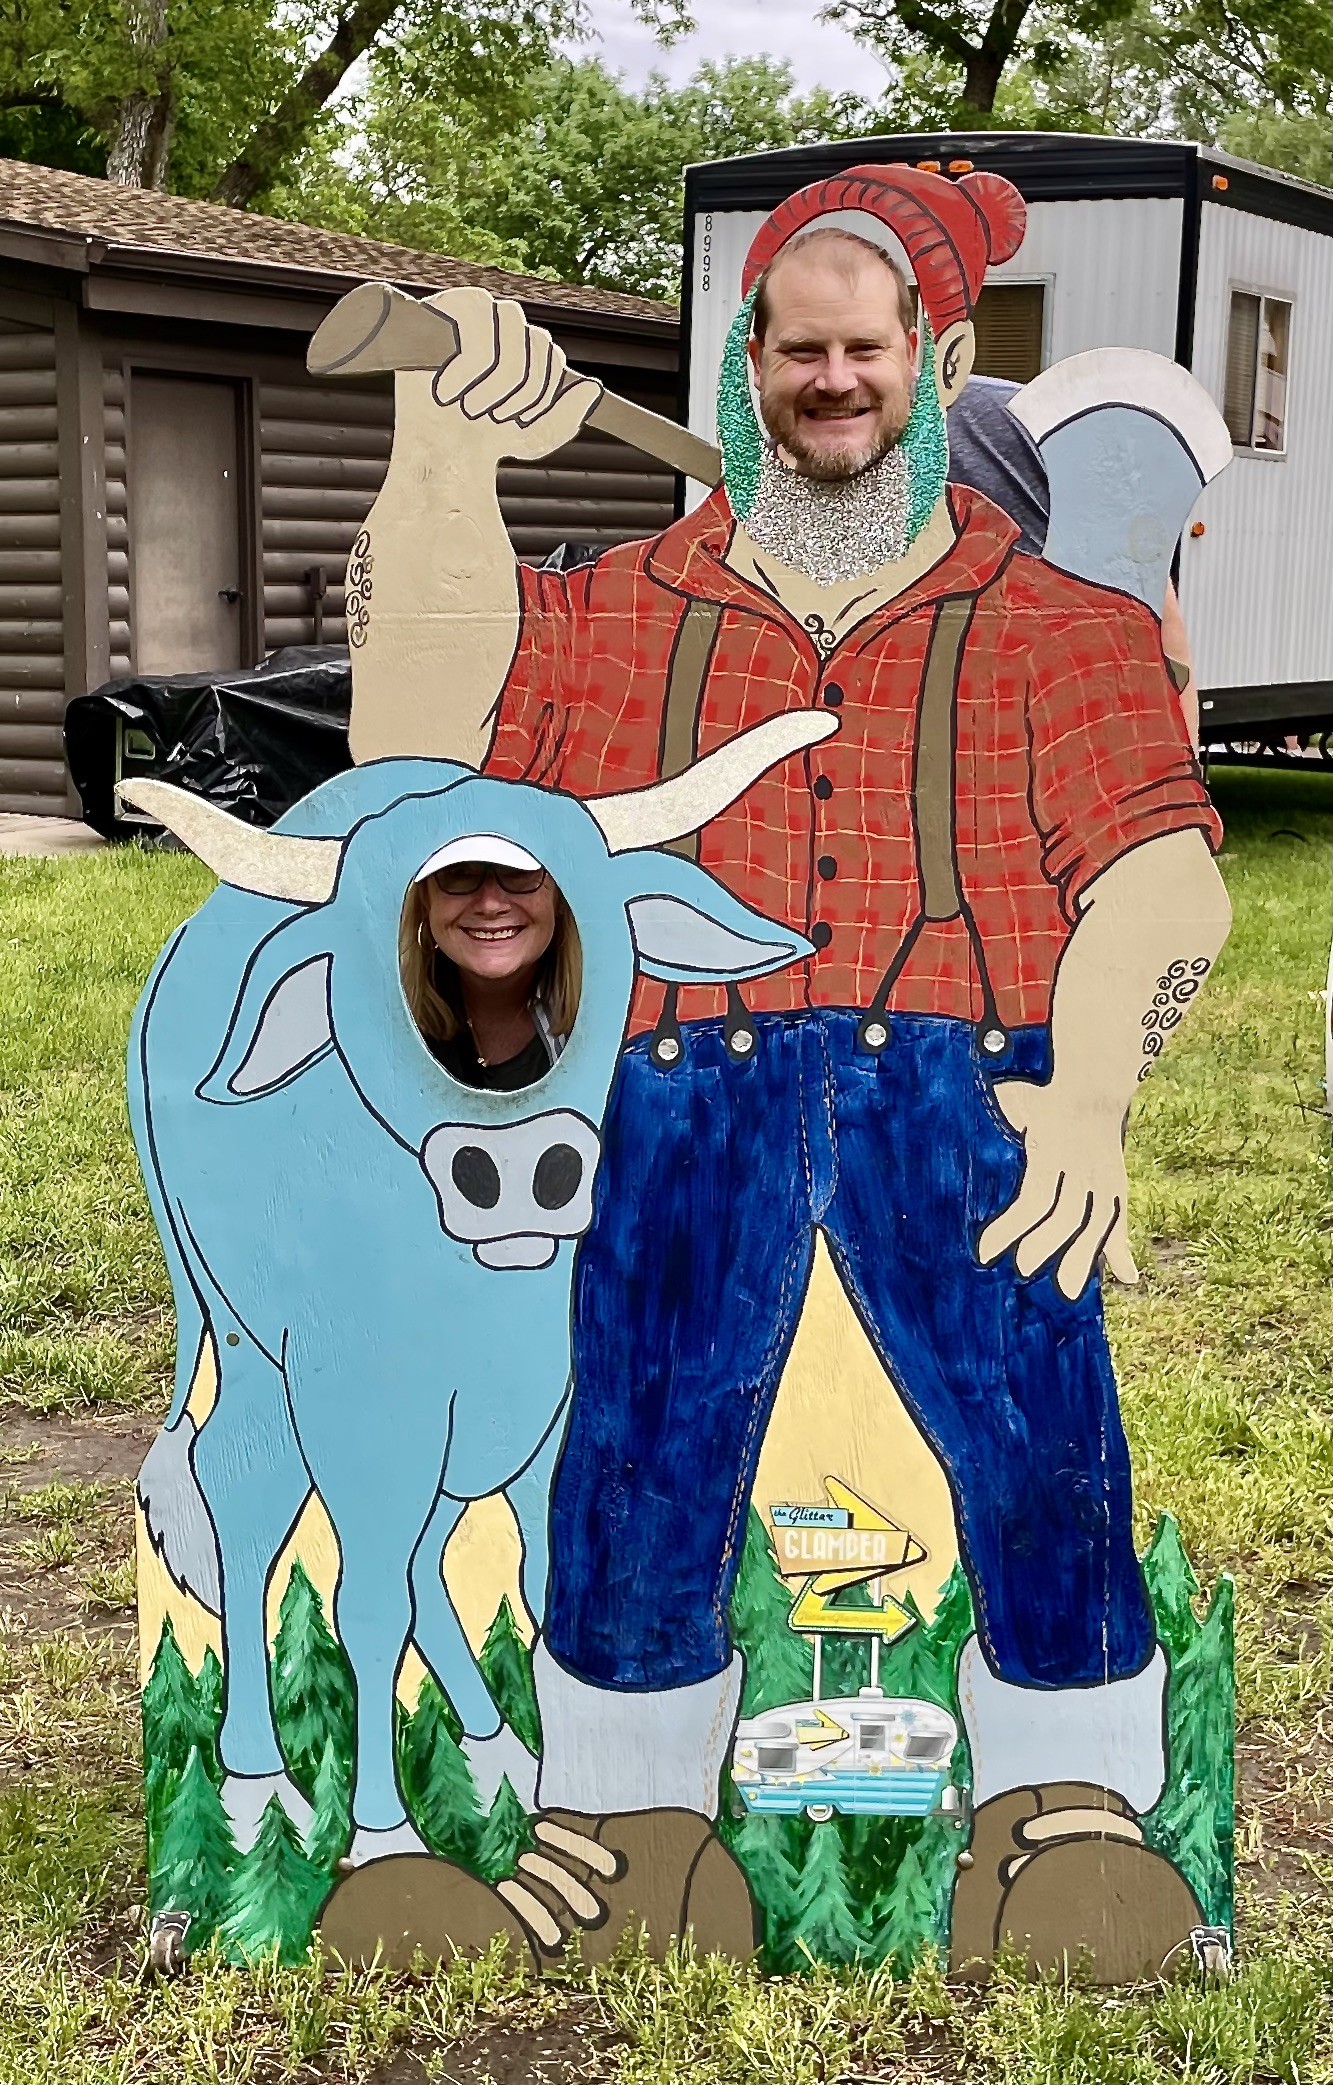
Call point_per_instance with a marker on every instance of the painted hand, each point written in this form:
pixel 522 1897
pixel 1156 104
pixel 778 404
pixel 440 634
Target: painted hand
pixel 1073 1200
pixel 505 380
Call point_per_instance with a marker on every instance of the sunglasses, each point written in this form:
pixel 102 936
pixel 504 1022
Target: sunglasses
pixel 464 879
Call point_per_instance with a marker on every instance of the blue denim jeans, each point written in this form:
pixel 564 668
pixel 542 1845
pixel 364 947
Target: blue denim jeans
pixel 714 1179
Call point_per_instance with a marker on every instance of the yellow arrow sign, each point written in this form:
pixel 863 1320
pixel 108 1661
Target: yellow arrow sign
pixel 869 1544
pixel 813 1613
pixel 822 1730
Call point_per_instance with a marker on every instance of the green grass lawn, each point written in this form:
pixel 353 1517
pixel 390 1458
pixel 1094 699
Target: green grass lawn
pixel 1223 1358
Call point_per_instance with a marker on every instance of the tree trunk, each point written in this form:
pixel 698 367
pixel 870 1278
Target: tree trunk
pixel 273 141
pixel 981 84
pixel 140 149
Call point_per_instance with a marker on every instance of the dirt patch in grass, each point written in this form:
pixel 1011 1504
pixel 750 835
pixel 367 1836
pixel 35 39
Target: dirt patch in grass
pixel 66 1520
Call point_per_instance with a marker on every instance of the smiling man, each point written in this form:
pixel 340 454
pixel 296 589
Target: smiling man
pixel 1002 860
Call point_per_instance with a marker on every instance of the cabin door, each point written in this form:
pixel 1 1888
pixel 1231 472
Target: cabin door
pixel 185 524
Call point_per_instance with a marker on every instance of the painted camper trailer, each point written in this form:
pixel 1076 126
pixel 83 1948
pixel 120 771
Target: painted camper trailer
pixel 863 1755
pixel 1224 266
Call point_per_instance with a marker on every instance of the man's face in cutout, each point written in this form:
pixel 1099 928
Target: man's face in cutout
pixel 834 368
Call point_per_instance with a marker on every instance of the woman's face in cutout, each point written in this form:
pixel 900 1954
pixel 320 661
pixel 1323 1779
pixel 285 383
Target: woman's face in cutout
pixel 491 933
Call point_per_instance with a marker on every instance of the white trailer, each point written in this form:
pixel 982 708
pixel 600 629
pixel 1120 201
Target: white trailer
pixel 1223 266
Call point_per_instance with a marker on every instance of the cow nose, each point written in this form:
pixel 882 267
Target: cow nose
pixel 477 1178
pixel 555 1181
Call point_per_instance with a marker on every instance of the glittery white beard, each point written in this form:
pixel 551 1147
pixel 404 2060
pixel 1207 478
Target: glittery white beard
pixel 832 531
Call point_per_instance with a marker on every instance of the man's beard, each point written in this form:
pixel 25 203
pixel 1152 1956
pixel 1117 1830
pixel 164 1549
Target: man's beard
pixel 833 466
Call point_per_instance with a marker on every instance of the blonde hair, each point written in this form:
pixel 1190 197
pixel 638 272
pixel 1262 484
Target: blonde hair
pixel 439 1013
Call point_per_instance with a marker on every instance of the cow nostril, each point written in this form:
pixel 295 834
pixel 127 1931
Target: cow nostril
pixel 556 1178
pixel 476 1176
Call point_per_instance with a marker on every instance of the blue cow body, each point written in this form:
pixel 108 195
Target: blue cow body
pixel 379 1340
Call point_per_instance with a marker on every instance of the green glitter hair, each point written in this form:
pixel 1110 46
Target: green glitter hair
pixel 925 437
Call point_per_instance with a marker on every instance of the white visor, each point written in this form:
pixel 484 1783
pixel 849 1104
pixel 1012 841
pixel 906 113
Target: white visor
pixel 478 847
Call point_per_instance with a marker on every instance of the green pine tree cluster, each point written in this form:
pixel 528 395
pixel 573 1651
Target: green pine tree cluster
pixel 1194 1821
pixel 269 1897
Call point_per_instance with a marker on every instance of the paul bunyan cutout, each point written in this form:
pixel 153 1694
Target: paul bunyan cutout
pixel 939 885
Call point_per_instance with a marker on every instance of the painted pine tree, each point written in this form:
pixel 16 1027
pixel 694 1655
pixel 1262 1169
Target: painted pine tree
pixel 770 1850
pixel 1193 1824
pixel 778 1663
pixel 209 1692
pixel 441 1793
pixel 922 1664
pixel 907 1917
pixel 826 1922
pixel 274 1895
pixel 312 1687
pixel 506 1833
pixel 1172 1587
pixel 175 1723
pixel 195 1855
pixel 331 1824
pixel 506 1667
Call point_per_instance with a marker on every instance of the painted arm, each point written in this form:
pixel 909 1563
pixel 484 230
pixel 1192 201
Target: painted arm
pixel 433 586
pixel 1149 931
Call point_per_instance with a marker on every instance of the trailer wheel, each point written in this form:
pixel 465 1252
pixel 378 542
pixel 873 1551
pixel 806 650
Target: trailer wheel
pixel 819 1813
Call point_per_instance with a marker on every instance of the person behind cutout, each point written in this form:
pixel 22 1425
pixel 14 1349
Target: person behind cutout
pixel 491 965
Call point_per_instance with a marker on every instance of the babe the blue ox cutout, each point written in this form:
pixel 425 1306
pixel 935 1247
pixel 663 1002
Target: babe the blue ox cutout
pixel 380 1257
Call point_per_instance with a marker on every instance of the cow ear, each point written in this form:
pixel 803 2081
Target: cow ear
pixel 688 929
pixel 280 1025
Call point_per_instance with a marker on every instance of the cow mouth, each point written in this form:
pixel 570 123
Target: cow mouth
pixel 528 1250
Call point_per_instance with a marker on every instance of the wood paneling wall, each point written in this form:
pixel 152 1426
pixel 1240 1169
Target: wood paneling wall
pixel 32 667
pixel 117 520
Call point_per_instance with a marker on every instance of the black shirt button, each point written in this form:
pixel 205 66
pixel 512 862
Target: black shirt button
pixel 827 867
pixel 833 695
pixel 823 789
pixel 822 934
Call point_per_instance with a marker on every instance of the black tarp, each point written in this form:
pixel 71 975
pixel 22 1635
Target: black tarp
pixel 251 742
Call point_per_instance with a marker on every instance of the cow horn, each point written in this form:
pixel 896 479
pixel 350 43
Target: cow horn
pixel 272 865
pixel 667 810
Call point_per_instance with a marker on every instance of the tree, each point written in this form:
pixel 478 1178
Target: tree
pixel 506 1667
pixel 441 1792
pixel 769 1849
pixel 1172 1587
pixel 208 1689
pixel 506 1833
pixel 312 1687
pixel 331 1825
pixel 912 1908
pixel 274 1893
pixel 174 1725
pixel 826 1922
pixel 778 1663
pixel 195 1854
pixel 922 1664
pixel 1193 1822
pixel 979 38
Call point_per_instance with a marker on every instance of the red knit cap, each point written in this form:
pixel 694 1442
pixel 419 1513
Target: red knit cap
pixel 952 231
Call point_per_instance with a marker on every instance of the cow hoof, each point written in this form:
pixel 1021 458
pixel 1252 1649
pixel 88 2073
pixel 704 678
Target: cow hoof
pixel 245 1797
pixel 368 1845
pixel 493 1759
pixel 408 1904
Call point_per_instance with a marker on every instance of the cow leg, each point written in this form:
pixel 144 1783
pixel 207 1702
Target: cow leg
pixel 251 1473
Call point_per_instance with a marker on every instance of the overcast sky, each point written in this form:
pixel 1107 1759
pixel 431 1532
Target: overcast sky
pixel 820 56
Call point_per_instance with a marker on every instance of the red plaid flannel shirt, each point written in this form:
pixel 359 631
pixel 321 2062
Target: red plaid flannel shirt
pixel 1071 749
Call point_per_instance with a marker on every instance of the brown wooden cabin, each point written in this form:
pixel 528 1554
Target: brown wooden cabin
pixel 176 494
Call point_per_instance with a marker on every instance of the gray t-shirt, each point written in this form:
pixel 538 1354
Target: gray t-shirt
pixel 993 453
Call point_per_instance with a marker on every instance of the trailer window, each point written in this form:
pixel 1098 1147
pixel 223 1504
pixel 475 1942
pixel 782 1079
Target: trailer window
pixel 1008 320
pixel 1255 397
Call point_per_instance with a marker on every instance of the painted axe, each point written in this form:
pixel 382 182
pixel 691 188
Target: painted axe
pixel 376 328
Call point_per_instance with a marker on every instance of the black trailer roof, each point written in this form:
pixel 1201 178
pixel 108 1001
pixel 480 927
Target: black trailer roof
pixel 1046 166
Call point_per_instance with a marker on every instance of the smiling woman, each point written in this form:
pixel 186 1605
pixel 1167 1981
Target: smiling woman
pixel 491 963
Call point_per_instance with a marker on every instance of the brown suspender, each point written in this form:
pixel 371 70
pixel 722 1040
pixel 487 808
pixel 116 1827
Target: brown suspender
pixel 934 794
pixel 684 696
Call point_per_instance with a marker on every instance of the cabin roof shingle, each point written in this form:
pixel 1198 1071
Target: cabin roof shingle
pixel 54 202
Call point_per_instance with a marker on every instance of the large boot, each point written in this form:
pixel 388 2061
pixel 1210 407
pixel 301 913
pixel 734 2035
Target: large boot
pixel 629 1789
pixel 1058 1871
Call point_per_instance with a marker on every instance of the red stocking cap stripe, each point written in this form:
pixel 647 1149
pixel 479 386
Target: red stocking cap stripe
pixel 952 231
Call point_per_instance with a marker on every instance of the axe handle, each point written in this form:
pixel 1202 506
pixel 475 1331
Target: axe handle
pixel 423 338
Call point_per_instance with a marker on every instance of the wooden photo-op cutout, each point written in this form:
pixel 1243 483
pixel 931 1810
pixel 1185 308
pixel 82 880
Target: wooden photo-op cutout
pixel 731 1548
